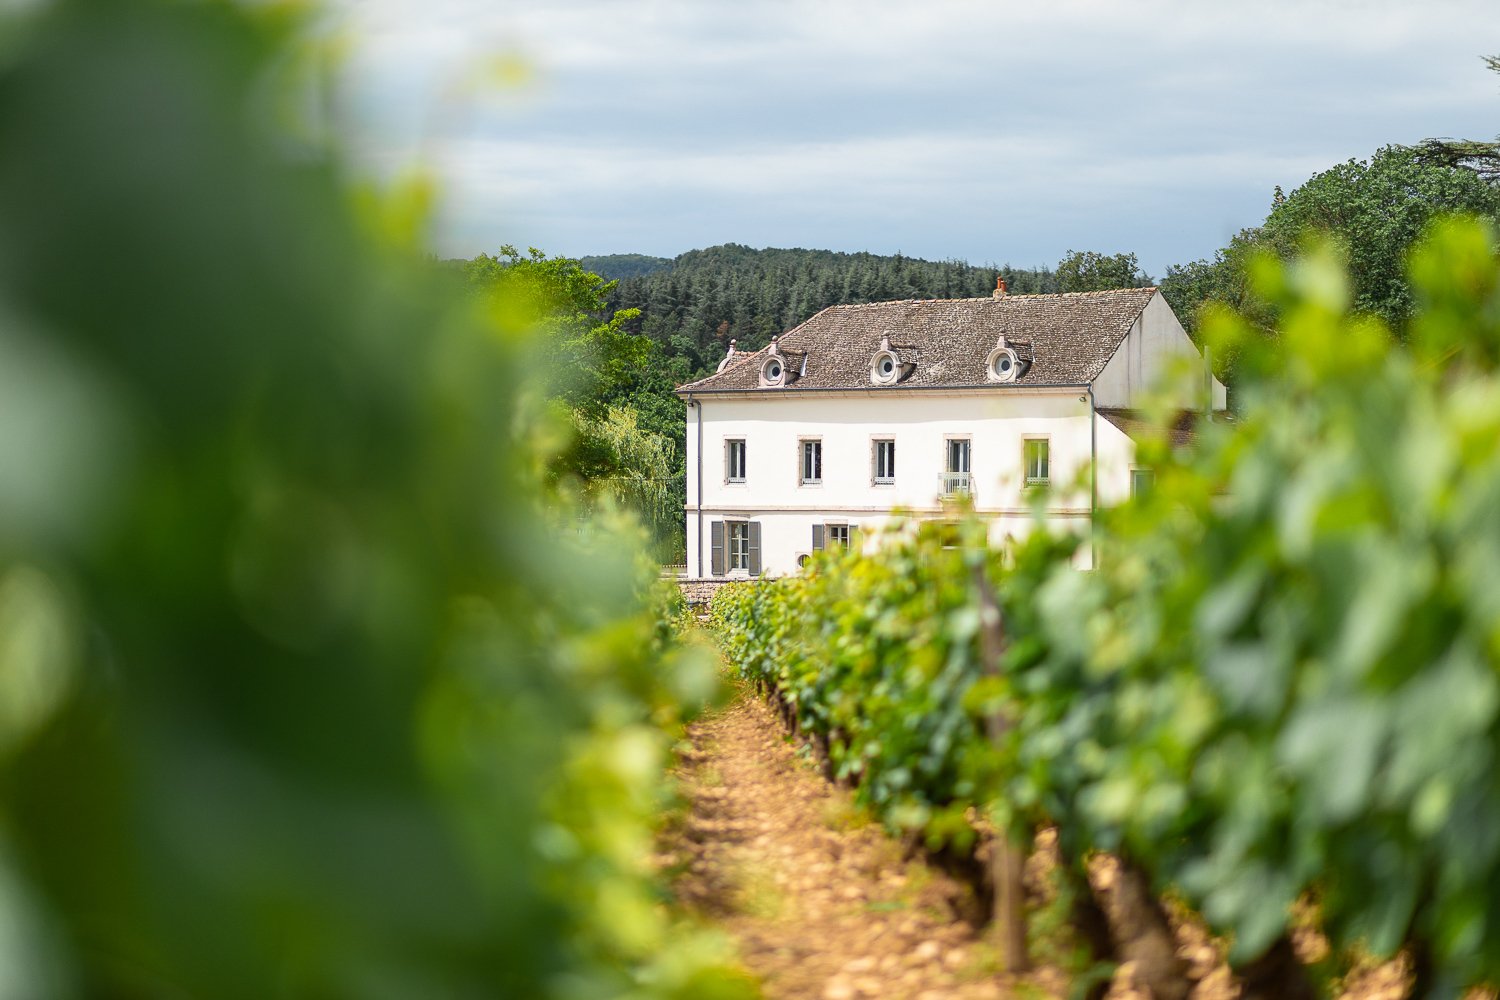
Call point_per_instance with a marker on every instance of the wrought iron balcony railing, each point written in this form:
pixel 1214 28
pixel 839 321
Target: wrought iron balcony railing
pixel 955 484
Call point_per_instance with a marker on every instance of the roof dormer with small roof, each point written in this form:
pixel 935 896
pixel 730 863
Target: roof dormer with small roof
pixel 1061 339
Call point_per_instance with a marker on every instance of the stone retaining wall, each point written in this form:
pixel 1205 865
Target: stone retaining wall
pixel 700 591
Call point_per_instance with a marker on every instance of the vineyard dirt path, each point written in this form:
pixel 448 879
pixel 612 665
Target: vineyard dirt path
pixel 822 904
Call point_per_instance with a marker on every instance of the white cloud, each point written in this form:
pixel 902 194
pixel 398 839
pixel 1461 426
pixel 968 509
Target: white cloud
pixel 953 125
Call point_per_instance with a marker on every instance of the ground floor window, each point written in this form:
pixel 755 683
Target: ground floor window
pixel 830 535
pixel 739 545
pixel 735 547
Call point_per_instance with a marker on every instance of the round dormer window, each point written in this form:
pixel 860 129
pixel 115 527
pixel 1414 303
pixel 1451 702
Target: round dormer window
pixel 1004 366
pixel 886 369
pixel 773 371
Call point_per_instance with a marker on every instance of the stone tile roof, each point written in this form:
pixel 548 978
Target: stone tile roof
pixel 1136 425
pixel 1066 338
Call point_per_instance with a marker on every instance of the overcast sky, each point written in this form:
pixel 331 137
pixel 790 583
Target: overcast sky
pixel 990 132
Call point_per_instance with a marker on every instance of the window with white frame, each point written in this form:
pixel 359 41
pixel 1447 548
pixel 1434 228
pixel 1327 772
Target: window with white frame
pixel 1038 461
pixel 811 472
pixel 955 476
pixel 738 544
pixel 1141 481
pixel 828 536
pixel 734 460
pixel 958 455
pixel 885 461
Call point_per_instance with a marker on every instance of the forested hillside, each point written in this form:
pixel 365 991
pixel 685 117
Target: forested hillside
pixel 701 300
pixel 624 265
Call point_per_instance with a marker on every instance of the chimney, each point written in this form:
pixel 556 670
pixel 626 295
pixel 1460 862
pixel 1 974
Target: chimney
pixel 999 291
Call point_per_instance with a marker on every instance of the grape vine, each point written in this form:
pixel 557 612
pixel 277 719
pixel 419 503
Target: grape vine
pixel 1279 684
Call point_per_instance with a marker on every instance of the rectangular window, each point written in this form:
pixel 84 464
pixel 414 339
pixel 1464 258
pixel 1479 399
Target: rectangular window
pixel 1141 481
pixel 739 544
pixel 812 462
pixel 838 534
pixel 1037 460
pixel 885 462
pixel 734 461
pixel 956 468
pixel 958 455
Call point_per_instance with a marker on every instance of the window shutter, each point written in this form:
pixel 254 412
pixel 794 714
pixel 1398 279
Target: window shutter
pixel 817 538
pixel 716 561
pixel 754 538
pixel 854 537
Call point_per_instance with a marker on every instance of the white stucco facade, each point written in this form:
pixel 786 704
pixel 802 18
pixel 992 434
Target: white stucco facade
pixel 847 425
pixel 1157 356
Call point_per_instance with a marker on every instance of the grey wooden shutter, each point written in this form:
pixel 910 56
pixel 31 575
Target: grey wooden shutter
pixel 754 538
pixel 854 537
pixel 817 538
pixel 716 560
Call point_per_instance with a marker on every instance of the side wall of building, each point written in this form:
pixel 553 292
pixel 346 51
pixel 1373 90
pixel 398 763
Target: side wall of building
pixel 1157 356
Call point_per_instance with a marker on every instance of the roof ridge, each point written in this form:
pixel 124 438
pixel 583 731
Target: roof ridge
pixel 990 298
pixel 1071 336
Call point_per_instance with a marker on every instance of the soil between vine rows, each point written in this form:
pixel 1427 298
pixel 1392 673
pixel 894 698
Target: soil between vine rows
pixel 823 905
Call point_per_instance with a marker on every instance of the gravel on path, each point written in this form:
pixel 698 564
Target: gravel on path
pixel 822 904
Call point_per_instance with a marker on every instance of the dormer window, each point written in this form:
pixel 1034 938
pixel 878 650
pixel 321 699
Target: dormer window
pixel 773 369
pixel 886 367
pixel 773 372
pixel 1003 364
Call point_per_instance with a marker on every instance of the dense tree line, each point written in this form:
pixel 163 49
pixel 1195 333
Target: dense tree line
pixel 1371 211
pixel 692 308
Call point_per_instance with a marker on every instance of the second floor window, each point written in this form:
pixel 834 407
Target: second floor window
pixel 734 461
pixel 812 462
pixel 1037 461
pixel 885 462
pixel 1141 481
pixel 958 455
pixel 956 468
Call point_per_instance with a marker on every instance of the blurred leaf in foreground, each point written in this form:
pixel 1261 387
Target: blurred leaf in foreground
pixel 301 696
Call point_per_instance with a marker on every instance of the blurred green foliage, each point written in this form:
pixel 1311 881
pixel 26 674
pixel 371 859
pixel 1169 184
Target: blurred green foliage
pixel 1282 679
pixel 301 693
pixel 624 442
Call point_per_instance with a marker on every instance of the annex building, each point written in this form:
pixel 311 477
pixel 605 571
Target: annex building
pixel 865 413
